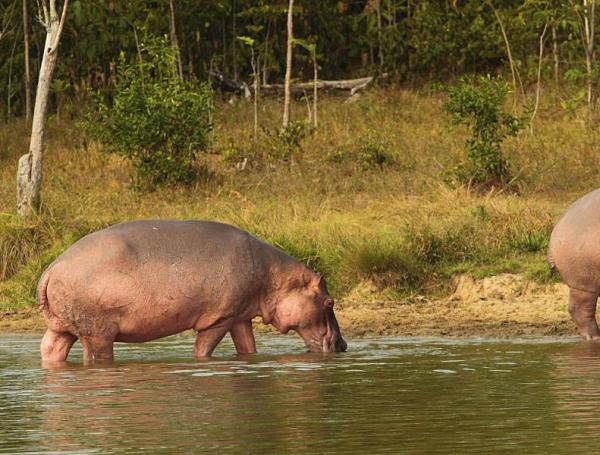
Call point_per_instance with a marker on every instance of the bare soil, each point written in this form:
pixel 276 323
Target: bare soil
pixel 505 305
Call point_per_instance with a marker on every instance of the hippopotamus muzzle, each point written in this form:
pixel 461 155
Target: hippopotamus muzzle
pixel 333 341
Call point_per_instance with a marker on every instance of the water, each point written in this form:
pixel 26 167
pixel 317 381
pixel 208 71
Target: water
pixel 386 395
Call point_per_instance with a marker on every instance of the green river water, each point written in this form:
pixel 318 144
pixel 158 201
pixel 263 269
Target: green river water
pixel 385 395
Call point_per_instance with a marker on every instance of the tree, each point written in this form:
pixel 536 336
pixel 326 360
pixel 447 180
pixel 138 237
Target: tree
pixel 26 58
pixel 154 119
pixel 174 43
pixel 288 65
pixel 29 172
pixel 312 49
pixel 251 42
pixel 586 17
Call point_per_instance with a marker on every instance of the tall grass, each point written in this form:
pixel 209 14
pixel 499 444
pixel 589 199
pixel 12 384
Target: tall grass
pixel 388 220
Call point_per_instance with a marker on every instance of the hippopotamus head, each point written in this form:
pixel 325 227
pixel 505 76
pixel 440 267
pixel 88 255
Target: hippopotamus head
pixel 307 308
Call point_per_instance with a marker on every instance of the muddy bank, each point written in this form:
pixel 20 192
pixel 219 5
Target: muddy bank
pixel 501 306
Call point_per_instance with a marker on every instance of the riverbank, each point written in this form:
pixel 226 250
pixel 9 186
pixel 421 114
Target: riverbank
pixel 364 201
pixel 503 306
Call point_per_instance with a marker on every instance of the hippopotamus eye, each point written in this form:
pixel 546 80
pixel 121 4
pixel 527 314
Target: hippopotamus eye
pixel 328 303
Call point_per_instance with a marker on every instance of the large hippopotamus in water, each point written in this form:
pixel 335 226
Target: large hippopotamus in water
pixel 142 280
pixel 574 251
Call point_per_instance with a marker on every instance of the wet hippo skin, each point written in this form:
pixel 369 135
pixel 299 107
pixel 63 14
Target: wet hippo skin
pixel 575 252
pixel 142 280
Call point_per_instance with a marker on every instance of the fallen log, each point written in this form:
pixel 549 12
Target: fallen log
pixel 354 85
pixel 226 84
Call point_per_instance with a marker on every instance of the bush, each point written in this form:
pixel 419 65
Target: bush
pixel 155 120
pixel 285 144
pixel 478 105
pixel 371 152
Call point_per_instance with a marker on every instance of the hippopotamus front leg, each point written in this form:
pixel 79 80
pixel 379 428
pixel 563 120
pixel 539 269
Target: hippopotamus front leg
pixel 207 339
pixel 243 337
pixel 582 307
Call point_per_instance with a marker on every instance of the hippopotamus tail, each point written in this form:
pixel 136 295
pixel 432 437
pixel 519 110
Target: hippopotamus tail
pixel 42 295
pixel 52 319
pixel 551 262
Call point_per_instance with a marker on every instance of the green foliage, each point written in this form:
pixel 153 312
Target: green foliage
pixel 28 246
pixel 529 242
pixel 157 121
pixel 277 145
pixel 478 105
pixel 285 144
pixel 371 152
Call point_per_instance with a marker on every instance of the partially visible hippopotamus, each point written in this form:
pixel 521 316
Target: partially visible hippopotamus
pixel 142 280
pixel 575 252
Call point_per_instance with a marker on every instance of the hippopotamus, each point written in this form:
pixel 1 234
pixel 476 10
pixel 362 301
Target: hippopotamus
pixel 142 280
pixel 574 251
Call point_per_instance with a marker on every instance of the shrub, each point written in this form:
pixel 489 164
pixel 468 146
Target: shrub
pixel 478 105
pixel 285 144
pixel 371 152
pixel 155 120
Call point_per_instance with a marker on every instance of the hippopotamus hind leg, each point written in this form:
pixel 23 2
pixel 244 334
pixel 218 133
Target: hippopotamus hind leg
pixel 582 307
pixel 97 349
pixel 243 337
pixel 55 346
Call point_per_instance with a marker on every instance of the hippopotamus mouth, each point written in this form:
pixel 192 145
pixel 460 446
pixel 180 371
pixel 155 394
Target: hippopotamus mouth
pixel 330 341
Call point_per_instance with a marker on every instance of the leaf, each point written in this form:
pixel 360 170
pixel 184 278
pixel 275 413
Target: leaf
pixel 246 40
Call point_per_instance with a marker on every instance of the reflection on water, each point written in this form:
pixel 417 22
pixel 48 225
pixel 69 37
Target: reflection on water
pixel 396 395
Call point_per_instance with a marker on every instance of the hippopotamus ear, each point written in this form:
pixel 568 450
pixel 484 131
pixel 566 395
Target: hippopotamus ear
pixel 319 282
pixel 328 303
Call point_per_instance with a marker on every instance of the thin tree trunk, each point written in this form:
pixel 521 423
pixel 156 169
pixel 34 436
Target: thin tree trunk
pixel 513 69
pixel 174 42
pixel 191 74
pixel 588 24
pixel 27 69
pixel 288 65
pixel 539 77
pixel 379 44
pixel 266 55
pixel 234 40
pixel 10 64
pixel 556 62
pixel 224 26
pixel 315 91
pixel 29 173
pixel 255 74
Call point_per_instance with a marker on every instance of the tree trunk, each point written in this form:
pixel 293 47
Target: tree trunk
pixel 234 39
pixel 288 66
pixel 556 62
pixel 256 83
pixel 10 64
pixel 27 70
pixel 539 76
pixel 588 30
pixel 380 43
pixel 174 43
pixel 29 172
pixel 513 69
pixel 315 91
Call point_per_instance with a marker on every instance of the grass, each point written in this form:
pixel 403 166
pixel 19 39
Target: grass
pixel 361 200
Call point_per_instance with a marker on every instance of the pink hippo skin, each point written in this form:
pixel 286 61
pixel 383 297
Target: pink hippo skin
pixel 575 252
pixel 143 280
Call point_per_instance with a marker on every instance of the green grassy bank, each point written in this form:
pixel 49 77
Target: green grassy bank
pixel 362 200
